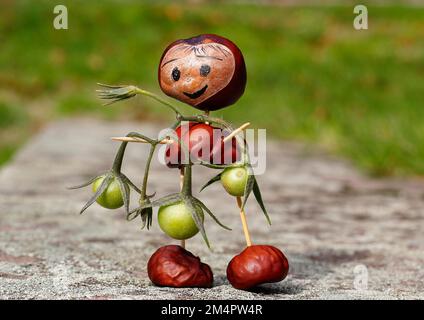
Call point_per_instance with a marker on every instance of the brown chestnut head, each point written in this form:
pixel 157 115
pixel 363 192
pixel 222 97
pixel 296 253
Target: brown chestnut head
pixel 207 72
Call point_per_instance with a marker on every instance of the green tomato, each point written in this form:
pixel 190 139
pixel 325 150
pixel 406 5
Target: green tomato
pixel 111 198
pixel 234 180
pixel 176 221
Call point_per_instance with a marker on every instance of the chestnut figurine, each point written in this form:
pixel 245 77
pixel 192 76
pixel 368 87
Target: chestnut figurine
pixel 207 72
pixel 173 266
pixel 257 264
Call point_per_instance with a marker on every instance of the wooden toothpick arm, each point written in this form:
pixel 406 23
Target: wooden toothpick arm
pixel 139 140
pixel 236 132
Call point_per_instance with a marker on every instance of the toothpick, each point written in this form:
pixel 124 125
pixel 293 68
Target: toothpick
pixel 140 140
pixel 237 131
pixel 244 223
pixel 239 200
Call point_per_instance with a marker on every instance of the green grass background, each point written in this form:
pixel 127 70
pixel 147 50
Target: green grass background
pixel 311 76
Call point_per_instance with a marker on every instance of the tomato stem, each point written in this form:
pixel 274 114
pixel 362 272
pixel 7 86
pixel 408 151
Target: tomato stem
pixel 207 119
pixel 157 98
pixel 115 93
pixel 146 171
pixel 186 190
pixel 176 124
pixel 183 242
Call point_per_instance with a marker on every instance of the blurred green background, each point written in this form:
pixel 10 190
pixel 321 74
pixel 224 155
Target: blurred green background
pixel 311 76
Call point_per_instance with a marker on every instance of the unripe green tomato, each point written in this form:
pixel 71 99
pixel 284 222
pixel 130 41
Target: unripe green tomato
pixel 176 221
pixel 234 181
pixel 111 198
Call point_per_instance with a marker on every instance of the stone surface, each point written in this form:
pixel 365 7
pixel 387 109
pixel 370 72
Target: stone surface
pixel 329 220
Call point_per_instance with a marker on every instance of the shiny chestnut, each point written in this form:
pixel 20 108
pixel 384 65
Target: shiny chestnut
pixel 173 266
pixel 257 264
pixel 207 72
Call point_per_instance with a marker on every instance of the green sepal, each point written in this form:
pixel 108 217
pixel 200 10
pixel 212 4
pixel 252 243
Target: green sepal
pixel 164 201
pixel 105 183
pixel 89 182
pixel 211 181
pixel 116 93
pixel 197 217
pixel 249 185
pixel 204 207
pixel 125 192
pixel 146 215
pixel 258 196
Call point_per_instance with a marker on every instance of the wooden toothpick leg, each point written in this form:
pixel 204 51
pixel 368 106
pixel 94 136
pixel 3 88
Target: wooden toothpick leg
pixel 181 187
pixel 244 223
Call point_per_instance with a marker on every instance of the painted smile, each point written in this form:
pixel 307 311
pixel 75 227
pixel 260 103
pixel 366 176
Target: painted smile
pixel 196 94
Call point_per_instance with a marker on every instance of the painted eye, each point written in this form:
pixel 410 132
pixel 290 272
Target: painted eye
pixel 204 70
pixel 176 74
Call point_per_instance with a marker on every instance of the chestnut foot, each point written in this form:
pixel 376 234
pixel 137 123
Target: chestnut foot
pixel 255 265
pixel 173 266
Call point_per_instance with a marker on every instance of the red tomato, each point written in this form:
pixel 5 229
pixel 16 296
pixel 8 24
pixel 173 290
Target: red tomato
pixel 225 153
pixel 173 151
pixel 201 142
pixel 205 143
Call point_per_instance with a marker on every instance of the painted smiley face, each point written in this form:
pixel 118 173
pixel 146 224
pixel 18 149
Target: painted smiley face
pixel 194 73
